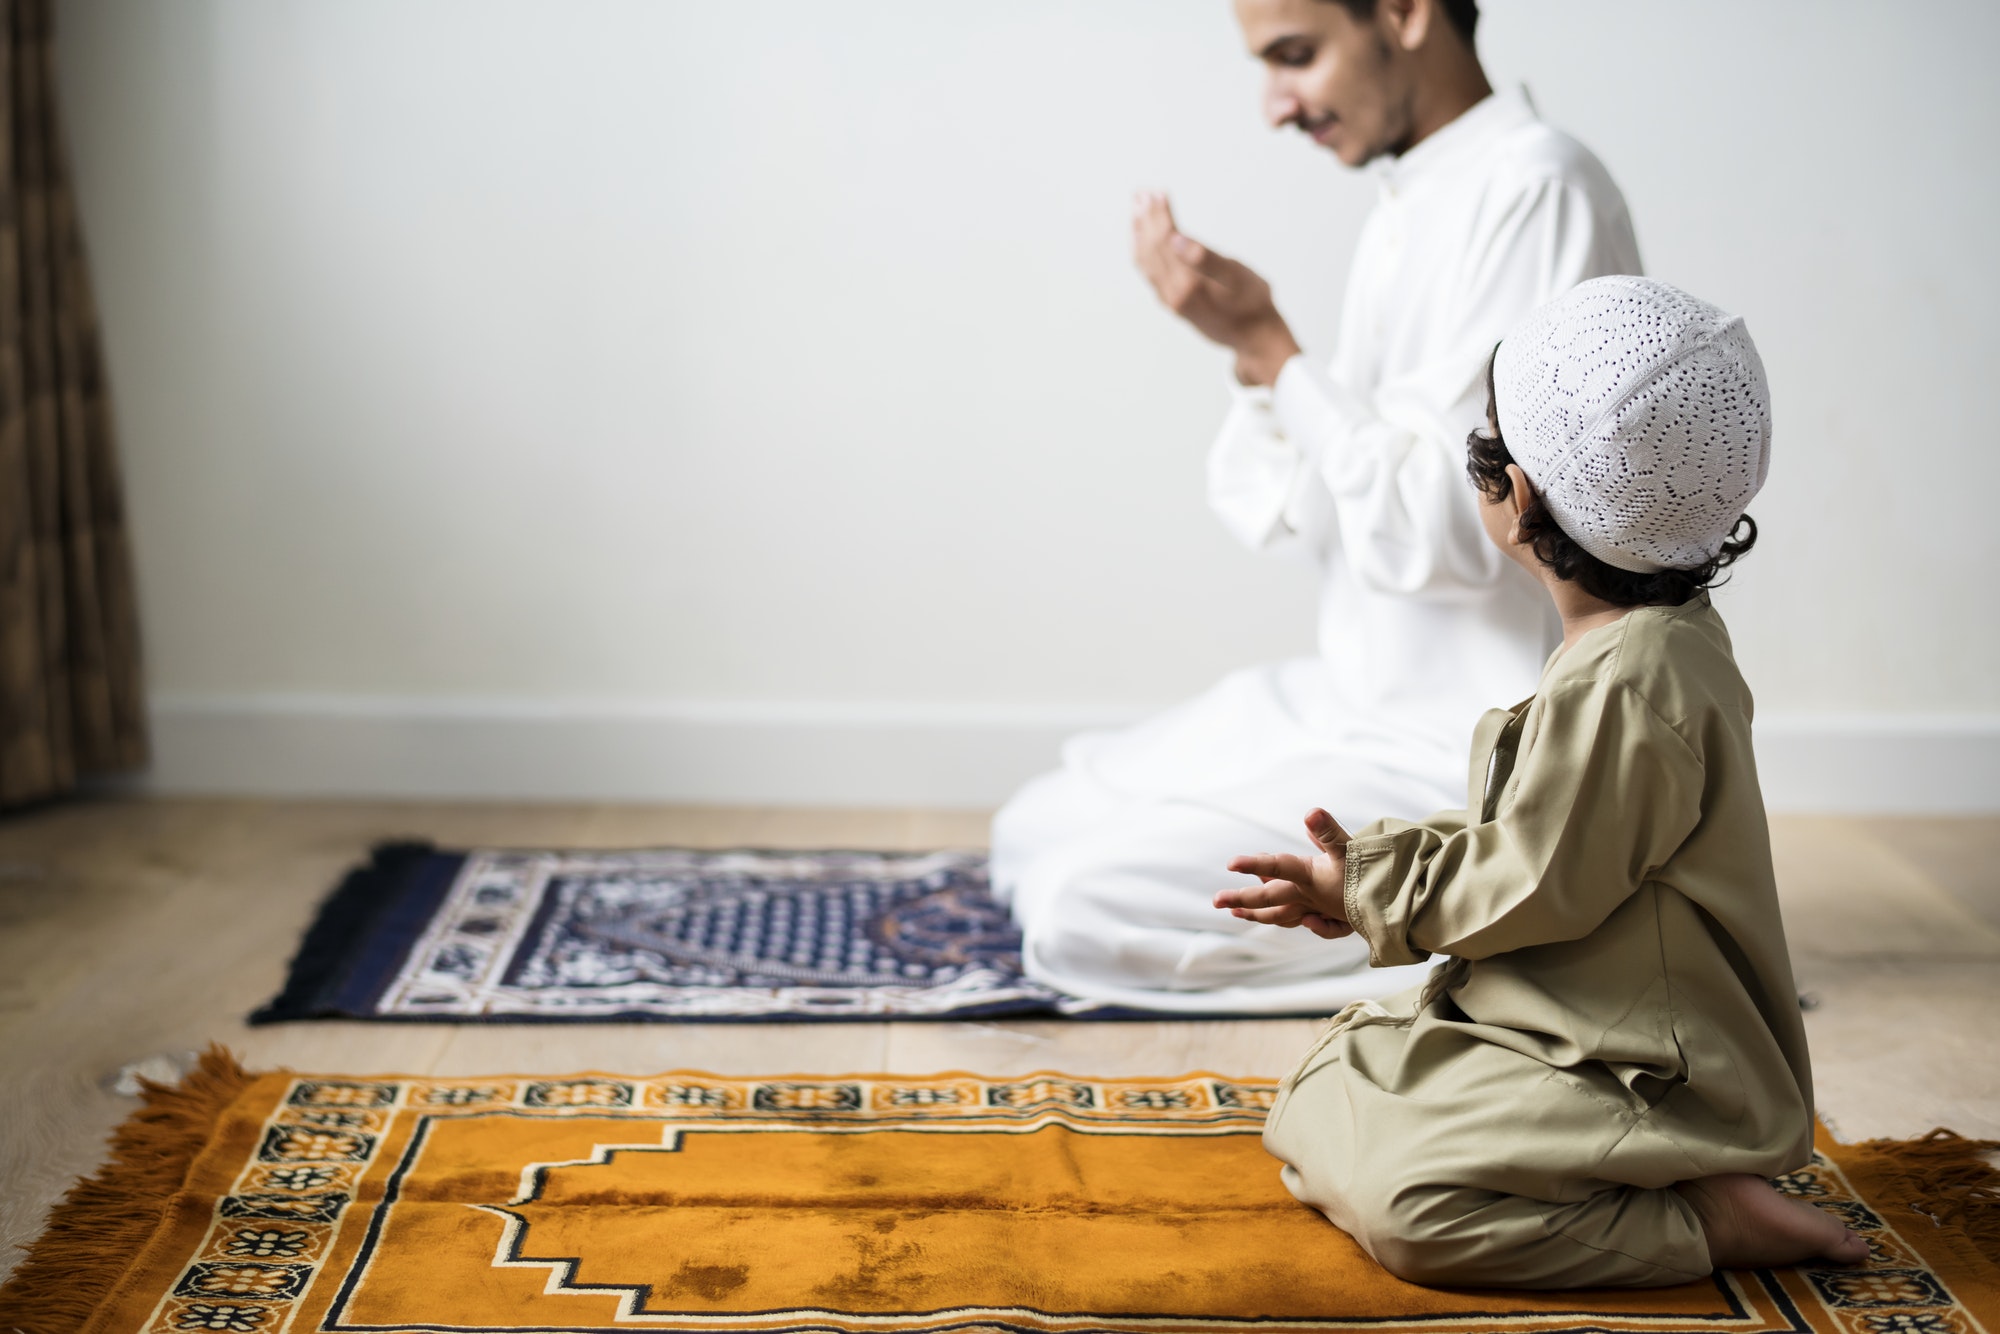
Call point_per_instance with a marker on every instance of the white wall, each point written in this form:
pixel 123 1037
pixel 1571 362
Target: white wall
pixel 757 402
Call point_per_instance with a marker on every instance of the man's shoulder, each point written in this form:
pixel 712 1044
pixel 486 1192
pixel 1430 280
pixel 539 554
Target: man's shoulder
pixel 1536 153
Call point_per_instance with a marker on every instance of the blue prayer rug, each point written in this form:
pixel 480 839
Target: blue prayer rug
pixel 667 934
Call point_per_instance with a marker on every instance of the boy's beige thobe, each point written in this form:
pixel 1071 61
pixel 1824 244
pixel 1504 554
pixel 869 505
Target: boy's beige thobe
pixel 1616 1012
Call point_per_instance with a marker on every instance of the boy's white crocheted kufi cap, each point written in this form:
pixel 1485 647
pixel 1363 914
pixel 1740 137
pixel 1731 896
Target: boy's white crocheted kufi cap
pixel 1642 416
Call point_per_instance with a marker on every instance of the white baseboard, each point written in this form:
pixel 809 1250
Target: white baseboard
pixel 865 755
pixel 1886 764
pixel 775 754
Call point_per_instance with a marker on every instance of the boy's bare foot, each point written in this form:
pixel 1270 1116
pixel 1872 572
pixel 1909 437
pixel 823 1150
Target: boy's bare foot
pixel 1750 1226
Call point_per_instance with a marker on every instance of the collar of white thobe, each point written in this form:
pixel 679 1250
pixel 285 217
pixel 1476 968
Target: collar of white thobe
pixel 1447 148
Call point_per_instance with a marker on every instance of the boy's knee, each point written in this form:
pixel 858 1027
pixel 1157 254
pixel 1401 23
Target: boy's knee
pixel 1422 1234
pixel 1391 1230
pixel 1420 1252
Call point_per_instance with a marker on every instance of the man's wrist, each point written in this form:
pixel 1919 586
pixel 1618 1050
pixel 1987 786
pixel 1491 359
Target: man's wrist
pixel 1264 352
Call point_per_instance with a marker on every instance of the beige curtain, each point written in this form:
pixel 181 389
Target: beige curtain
pixel 71 701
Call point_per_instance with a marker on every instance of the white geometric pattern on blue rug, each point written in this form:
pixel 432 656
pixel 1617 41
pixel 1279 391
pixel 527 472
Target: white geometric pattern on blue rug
pixel 717 934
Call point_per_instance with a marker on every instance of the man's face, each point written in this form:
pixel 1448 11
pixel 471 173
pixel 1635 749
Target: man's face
pixel 1336 77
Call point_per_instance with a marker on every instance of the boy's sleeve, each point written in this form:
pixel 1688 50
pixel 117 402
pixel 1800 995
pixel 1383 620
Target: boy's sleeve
pixel 1602 794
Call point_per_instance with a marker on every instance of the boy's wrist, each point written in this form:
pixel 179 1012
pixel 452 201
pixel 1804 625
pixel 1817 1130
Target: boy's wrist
pixel 1372 867
pixel 1354 902
pixel 1340 882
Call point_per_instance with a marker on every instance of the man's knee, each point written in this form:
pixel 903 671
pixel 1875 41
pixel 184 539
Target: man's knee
pixel 1062 934
pixel 1028 826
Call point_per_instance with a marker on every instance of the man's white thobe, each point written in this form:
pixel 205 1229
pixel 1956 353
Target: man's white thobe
pixel 1110 862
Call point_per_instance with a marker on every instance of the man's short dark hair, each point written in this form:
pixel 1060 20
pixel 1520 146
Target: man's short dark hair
pixel 1464 14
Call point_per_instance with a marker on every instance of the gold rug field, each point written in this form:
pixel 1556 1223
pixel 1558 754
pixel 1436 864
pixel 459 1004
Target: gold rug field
pixel 691 1201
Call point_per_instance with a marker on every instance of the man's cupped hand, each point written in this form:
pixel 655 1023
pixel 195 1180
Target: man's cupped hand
pixel 1223 299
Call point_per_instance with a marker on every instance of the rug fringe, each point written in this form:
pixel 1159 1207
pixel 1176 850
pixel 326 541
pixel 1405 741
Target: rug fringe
pixel 1945 1178
pixel 101 1225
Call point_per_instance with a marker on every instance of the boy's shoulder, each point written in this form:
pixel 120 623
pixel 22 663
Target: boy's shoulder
pixel 1678 659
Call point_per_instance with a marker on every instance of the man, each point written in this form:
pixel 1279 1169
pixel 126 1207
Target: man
pixel 1111 863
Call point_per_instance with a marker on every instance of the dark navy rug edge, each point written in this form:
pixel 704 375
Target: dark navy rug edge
pixel 362 932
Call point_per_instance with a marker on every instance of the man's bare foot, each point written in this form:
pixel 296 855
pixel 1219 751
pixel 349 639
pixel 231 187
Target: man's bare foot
pixel 1750 1226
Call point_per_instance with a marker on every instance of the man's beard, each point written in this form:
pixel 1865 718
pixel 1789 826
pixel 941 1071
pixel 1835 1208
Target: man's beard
pixel 1401 130
pixel 1399 126
pixel 1399 121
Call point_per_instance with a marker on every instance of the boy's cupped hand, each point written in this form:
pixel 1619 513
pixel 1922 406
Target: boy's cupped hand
pixel 1293 890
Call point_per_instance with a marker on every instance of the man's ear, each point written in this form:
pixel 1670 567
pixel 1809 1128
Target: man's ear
pixel 1406 22
pixel 1519 492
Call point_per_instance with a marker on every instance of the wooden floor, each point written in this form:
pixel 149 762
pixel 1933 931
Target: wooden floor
pixel 142 930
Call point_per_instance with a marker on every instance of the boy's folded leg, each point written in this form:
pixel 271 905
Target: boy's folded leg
pixel 1456 1236
pixel 1483 1179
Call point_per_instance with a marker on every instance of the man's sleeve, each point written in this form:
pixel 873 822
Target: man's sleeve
pixel 1263 487
pixel 1392 468
pixel 1603 793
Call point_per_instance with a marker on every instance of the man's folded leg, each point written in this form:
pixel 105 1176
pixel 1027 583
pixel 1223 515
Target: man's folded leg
pixel 1125 916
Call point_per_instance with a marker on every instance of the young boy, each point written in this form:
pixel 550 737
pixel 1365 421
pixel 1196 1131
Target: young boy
pixel 1592 1087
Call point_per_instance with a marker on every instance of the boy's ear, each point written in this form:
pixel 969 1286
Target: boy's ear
pixel 1519 492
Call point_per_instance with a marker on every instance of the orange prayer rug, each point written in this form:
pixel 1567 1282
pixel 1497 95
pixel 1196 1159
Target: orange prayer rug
pixel 280 1203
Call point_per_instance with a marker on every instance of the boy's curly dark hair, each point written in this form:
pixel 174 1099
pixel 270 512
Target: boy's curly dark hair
pixel 1486 460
